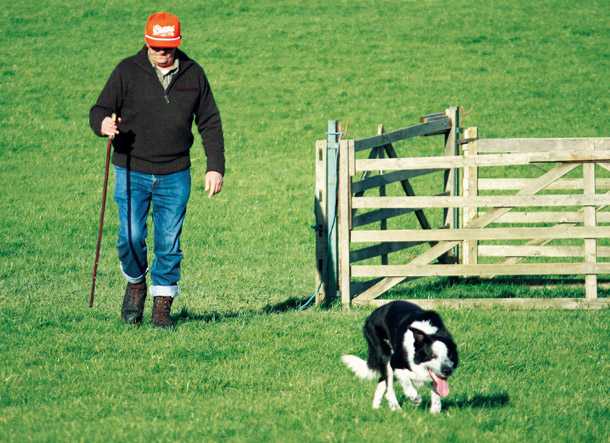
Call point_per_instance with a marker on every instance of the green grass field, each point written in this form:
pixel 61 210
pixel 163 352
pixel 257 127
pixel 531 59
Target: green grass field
pixel 244 364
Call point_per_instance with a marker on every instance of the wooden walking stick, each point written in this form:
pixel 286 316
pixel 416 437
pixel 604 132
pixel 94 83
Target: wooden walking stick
pixel 102 211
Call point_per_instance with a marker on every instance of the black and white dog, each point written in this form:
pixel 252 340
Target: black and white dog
pixel 410 344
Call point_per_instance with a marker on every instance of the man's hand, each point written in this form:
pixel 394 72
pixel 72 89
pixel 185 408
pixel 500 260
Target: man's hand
pixel 109 126
pixel 213 183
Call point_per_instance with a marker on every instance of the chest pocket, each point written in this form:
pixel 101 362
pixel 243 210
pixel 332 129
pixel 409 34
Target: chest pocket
pixel 184 96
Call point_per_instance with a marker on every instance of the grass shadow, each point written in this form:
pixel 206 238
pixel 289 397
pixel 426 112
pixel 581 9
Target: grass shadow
pixel 498 287
pixel 291 304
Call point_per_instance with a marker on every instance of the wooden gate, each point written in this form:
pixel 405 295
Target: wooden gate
pixel 509 207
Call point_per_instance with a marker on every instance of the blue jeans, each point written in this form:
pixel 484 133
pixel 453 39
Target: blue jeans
pixel 134 193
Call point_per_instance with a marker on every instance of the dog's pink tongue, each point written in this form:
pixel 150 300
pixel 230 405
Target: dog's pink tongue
pixel 441 387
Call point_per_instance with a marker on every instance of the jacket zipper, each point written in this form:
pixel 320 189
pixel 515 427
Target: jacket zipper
pixel 165 91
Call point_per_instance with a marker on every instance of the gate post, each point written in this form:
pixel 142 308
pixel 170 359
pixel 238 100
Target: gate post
pixel 590 250
pixel 470 188
pixel 321 227
pixel 346 150
pixel 452 176
pixel 332 167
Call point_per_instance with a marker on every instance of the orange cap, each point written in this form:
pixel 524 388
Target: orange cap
pixel 162 30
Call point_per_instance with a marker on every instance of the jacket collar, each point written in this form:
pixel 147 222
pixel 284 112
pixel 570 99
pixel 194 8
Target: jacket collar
pixel 141 59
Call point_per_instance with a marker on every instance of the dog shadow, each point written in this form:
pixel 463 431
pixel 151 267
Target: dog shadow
pixel 477 401
pixel 185 315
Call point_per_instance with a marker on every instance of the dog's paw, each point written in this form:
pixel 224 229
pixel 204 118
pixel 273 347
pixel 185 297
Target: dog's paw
pixel 435 409
pixel 394 405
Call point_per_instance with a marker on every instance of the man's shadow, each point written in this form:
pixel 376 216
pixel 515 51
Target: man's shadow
pixel 292 304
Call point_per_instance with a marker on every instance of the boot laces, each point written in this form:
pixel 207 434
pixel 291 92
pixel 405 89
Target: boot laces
pixel 165 304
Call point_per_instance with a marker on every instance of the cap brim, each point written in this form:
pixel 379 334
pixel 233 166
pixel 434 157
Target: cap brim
pixel 163 42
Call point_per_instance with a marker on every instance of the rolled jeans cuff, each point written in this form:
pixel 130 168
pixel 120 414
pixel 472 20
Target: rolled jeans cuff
pixel 165 291
pixel 130 279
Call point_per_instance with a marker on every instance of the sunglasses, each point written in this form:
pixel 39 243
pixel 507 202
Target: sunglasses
pixel 159 49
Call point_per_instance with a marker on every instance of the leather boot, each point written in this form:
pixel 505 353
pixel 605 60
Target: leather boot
pixel 133 303
pixel 162 307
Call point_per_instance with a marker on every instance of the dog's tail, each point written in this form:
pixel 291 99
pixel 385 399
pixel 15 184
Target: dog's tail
pixel 359 367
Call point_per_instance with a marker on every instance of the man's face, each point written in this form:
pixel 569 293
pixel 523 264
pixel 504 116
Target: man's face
pixel 162 57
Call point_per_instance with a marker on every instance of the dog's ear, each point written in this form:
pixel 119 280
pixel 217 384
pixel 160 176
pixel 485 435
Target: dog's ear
pixel 419 335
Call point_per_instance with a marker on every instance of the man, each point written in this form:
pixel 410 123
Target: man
pixel 156 94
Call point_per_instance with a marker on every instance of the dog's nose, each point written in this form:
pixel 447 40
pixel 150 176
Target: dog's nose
pixel 446 371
